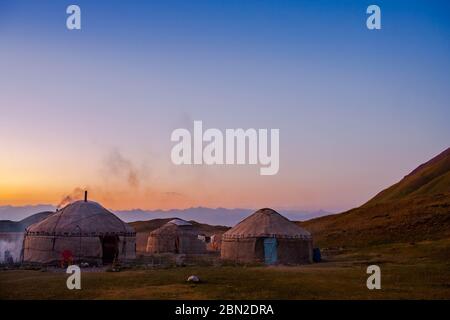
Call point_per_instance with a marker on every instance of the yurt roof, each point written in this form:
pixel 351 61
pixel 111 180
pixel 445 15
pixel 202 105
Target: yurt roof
pixel 175 226
pixel 266 223
pixel 87 218
pixel 180 222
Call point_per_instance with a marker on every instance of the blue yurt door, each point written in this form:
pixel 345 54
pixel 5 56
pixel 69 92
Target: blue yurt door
pixel 270 250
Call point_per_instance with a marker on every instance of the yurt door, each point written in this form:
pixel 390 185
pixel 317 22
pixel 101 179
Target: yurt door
pixel 270 250
pixel 110 248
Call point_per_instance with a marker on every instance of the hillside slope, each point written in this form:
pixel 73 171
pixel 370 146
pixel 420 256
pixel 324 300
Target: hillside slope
pixel 20 226
pixel 430 178
pixel 416 208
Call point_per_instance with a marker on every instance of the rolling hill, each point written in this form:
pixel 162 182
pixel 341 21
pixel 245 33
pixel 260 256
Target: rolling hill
pixel 16 213
pixel 20 226
pixel 430 178
pixel 414 209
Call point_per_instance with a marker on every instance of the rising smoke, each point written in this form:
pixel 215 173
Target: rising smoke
pixel 119 166
pixel 11 247
pixel 76 194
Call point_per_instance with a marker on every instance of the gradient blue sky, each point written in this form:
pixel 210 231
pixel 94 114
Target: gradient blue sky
pixel 356 109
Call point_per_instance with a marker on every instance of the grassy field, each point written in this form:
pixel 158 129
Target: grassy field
pixel 413 271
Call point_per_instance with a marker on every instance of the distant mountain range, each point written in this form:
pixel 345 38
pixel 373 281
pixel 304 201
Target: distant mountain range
pixel 217 216
pixel 10 215
pixel 20 226
pixel 414 209
pixel 18 213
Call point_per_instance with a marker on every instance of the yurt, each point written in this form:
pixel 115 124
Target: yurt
pixel 83 231
pixel 176 236
pixel 214 243
pixel 266 236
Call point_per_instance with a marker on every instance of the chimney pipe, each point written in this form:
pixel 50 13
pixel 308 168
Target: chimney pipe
pixel 85 196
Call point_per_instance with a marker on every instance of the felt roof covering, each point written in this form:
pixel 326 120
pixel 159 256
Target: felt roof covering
pixel 175 226
pixel 266 223
pixel 180 222
pixel 86 218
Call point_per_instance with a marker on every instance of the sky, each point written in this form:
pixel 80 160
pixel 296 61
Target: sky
pixel 94 109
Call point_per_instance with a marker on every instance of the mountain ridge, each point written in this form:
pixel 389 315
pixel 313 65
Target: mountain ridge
pixel 431 177
pixel 20 226
pixel 414 209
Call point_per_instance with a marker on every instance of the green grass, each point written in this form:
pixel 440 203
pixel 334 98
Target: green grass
pixel 409 271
